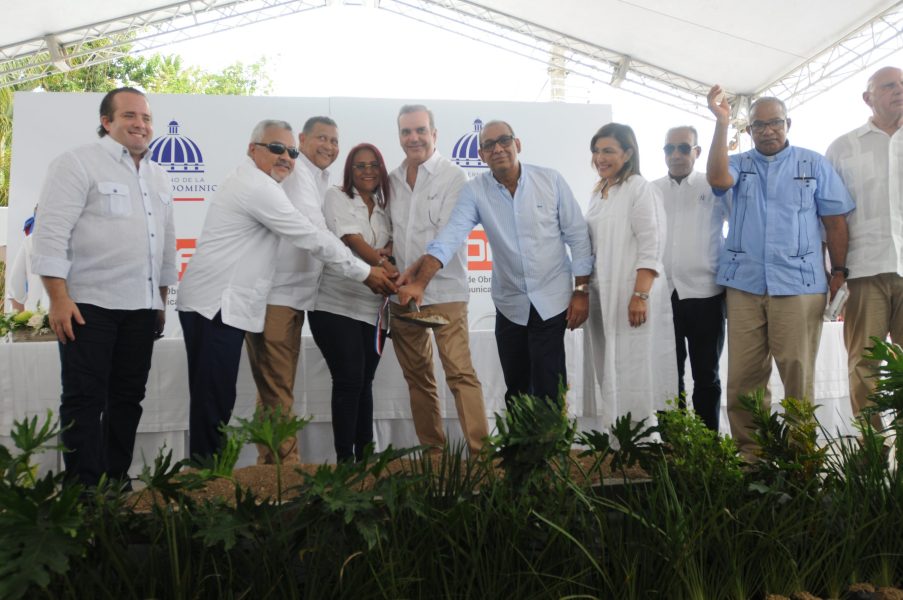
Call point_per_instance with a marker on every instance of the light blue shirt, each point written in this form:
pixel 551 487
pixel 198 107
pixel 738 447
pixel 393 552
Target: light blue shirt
pixel 529 235
pixel 774 241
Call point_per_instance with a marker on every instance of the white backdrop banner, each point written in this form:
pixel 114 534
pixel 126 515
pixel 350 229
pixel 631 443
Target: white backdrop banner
pixel 200 139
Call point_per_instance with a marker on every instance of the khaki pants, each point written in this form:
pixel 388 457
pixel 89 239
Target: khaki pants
pixel 414 350
pixel 786 328
pixel 273 355
pixel 875 308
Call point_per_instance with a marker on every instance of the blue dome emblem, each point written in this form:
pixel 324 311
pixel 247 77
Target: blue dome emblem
pixel 176 153
pixel 465 152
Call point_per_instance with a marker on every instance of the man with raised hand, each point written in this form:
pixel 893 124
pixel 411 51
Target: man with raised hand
pixel 869 159
pixel 273 353
pixel 695 222
pixel 105 249
pixel 773 264
pixel 224 290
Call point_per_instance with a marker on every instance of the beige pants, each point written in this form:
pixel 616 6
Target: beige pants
pixel 875 308
pixel 273 355
pixel 786 328
pixel 414 350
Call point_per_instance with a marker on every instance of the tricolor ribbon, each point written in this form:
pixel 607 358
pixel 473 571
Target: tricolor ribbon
pixel 382 326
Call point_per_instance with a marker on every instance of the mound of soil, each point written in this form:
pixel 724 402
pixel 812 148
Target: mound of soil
pixel 261 480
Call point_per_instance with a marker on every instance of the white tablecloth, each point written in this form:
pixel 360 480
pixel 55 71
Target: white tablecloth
pixel 30 385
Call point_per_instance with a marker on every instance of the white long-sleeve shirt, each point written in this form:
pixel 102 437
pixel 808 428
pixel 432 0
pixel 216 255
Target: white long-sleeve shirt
pixel 233 267
pixel 106 227
pixel 417 216
pixel 870 162
pixel 297 274
pixel 695 220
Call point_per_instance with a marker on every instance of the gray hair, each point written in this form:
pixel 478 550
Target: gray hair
pixel 260 128
pixel 313 121
pixel 765 99
pixel 496 122
pixel 412 108
pixel 688 128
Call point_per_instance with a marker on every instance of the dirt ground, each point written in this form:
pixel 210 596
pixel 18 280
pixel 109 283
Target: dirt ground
pixel 262 481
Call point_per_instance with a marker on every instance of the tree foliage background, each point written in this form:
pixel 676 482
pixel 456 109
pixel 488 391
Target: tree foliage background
pixel 154 74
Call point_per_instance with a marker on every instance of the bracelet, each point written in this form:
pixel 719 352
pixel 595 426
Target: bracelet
pixel 642 295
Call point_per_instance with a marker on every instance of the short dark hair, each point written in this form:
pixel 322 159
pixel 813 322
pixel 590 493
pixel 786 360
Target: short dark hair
pixel 311 122
pixel 106 105
pixel 626 139
pixel 489 124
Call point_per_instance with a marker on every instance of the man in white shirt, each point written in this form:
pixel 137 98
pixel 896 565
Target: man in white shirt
pixel 542 260
pixel 869 159
pixel 273 353
pixel 424 190
pixel 105 249
pixel 695 219
pixel 224 291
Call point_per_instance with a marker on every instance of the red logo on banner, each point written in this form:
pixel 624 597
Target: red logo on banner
pixel 479 254
pixel 184 251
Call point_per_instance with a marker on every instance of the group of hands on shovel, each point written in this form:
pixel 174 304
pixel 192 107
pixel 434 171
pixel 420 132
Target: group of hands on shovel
pixel 385 279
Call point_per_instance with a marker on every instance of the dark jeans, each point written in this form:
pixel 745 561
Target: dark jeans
pixel 699 324
pixel 104 374
pixel 348 347
pixel 532 355
pixel 214 351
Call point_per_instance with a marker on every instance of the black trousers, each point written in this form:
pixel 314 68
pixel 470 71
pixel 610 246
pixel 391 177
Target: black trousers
pixel 699 325
pixel 214 352
pixel 348 348
pixel 532 355
pixel 104 374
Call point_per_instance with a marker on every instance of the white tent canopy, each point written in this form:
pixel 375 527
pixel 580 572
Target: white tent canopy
pixel 669 51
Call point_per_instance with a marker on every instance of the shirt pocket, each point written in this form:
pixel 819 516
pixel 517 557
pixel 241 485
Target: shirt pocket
pixel 807 235
pixel 165 198
pixel 115 198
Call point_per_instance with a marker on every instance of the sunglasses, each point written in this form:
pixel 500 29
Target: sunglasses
pixel 280 148
pixel 684 148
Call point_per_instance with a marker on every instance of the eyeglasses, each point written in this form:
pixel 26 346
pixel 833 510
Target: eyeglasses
pixel 760 126
pixel 279 148
pixel 684 148
pixel 362 166
pixel 504 141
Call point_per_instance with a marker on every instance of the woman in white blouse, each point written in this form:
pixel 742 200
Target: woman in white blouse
pixel 630 331
pixel 344 322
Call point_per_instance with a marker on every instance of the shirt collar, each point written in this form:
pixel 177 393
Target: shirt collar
pixel 778 157
pixel 117 151
pixel 430 164
pixel 314 169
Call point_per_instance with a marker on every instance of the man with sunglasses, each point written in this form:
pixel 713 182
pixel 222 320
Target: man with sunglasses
pixel 224 291
pixel 695 219
pixel 870 162
pixel 273 353
pixel 773 263
pixel 105 249
pixel 531 220
pixel 425 188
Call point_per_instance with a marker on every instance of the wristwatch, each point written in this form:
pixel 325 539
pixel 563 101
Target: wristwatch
pixel 842 270
pixel 642 295
pixel 582 288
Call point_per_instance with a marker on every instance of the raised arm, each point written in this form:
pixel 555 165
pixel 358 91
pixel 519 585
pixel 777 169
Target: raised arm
pixel 717 172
